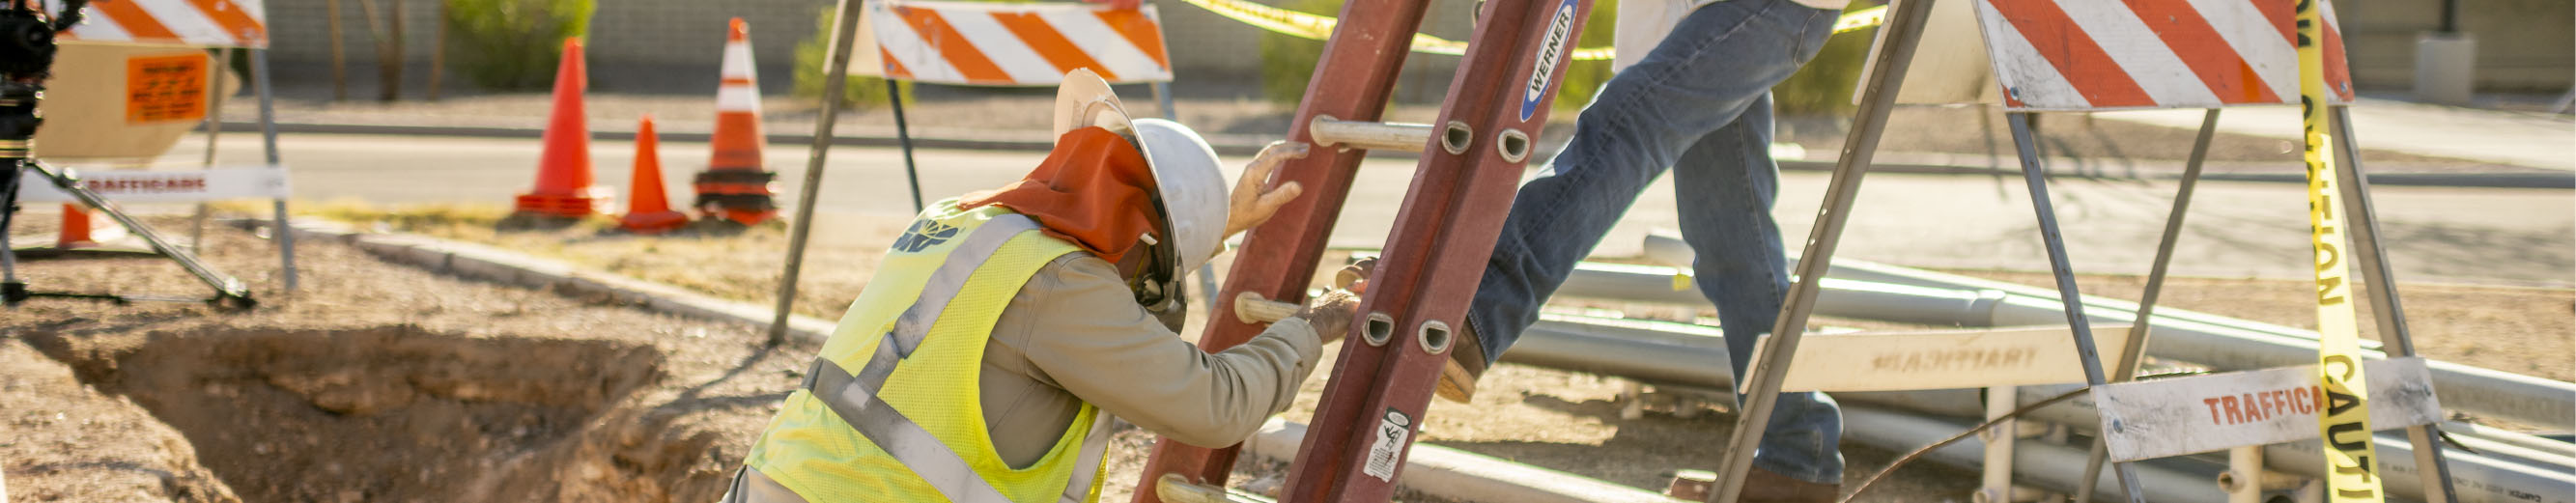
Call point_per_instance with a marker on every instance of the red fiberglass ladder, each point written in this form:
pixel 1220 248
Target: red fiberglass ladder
pixel 1472 160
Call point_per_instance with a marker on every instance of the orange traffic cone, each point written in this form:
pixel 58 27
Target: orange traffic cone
pixel 648 210
pixel 76 229
pixel 563 172
pixel 736 186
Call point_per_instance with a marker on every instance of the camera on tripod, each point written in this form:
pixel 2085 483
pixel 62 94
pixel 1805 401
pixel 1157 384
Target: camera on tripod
pixel 27 48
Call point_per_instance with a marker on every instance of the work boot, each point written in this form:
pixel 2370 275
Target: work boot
pixel 1466 357
pixel 1763 486
pixel 1466 363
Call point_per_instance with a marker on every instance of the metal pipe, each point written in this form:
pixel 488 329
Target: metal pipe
pixel 1676 354
pixel 2216 341
pixel 2041 464
pixel 1370 135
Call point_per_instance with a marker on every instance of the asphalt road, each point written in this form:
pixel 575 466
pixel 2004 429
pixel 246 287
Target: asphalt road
pixel 2481 235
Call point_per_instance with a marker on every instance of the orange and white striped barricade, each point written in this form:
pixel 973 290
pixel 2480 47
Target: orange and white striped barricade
pixel 2088 55
pixel 163 91
pixel 1012 44
pixel 1007 44
pixel 196 23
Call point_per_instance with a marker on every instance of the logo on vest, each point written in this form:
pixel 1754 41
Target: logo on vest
pixel 923 235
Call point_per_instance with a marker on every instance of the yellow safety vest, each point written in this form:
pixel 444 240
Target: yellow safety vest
pixel 889 411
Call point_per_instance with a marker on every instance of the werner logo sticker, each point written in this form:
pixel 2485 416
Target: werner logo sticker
pixel 1560 32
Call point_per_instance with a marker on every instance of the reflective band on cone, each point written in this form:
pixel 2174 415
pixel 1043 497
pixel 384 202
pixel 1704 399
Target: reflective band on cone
pixel 737 185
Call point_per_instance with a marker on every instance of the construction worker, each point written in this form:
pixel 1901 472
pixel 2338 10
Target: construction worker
pixel 1005 327
pixel 1698 103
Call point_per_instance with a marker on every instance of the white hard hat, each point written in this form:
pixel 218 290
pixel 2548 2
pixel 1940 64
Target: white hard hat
pixel 1192 187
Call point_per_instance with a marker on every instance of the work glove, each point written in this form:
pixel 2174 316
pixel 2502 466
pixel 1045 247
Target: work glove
pixel 1250 203
pixel 1330 314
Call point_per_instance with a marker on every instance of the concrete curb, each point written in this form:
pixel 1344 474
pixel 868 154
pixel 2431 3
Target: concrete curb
pixel 503 266
pixel 1245 145
pixel 1431 469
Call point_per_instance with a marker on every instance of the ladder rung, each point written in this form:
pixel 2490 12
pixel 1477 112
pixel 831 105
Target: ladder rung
pixel 1175 489
pixel 1328 131
pixel 1252 308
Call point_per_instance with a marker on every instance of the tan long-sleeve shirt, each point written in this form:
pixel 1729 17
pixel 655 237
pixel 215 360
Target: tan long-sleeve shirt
pixel 1074 334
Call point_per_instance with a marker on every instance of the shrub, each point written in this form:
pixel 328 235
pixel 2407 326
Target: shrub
pixel 1583 79
pixel 861 92
pixel 513 44
pixel 1288 62
pixel 1824 87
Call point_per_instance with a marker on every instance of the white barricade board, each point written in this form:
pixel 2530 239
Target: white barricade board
pixel 128 186
pixel 1946 359
pixel 2173 417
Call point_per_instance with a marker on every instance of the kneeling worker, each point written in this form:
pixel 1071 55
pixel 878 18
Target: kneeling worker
pixel 1000 332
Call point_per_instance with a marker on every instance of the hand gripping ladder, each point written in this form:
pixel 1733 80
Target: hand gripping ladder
pixel 1472 160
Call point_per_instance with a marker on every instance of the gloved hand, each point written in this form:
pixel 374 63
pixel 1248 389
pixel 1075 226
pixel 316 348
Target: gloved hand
pixel 1331 314
pixel 1250 203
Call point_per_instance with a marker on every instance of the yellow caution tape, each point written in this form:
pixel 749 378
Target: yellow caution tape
pixel 1314 27
pixel 2352 472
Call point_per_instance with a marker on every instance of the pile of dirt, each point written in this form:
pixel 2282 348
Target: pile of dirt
pixel 385 413
pixel 62 442
pixel 374 382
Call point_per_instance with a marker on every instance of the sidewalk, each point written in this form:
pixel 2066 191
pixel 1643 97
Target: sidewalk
pixel 2516 138
pixel 2420 145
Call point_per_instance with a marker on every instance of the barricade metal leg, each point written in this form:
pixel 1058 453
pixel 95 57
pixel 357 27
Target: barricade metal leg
pixel 260 79
pixel 2382 282
pixel 1761 388
pixel 845 28
pixel 2138 329
pixel 2036 175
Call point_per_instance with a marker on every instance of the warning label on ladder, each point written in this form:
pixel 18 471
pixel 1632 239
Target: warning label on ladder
pixel 1390 442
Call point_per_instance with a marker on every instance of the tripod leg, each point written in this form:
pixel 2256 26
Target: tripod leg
pixel 2036 175
pixel 11 291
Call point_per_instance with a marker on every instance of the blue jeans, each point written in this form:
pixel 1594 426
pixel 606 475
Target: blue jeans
pixel 1701 105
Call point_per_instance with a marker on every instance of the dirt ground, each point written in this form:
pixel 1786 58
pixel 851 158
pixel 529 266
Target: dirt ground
pixel 374 382
pixel 381 382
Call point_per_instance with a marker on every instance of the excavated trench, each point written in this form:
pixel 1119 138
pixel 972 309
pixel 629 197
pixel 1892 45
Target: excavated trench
pixel 384 413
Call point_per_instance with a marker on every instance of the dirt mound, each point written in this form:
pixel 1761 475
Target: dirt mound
pixel 390 413
pixel 61 442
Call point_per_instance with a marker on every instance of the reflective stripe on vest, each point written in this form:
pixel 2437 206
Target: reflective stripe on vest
pixel 854 395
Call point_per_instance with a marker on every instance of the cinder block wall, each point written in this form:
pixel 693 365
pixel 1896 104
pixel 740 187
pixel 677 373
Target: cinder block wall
pixel 632 39
pixel 2523 45
pixel 622 32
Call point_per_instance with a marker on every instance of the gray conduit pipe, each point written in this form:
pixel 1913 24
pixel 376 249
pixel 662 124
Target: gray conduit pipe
pixel 1689 355
pixel 2038 464
pixel 1923 297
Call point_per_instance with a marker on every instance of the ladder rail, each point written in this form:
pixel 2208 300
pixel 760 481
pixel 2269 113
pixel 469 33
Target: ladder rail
pixel 1353 80
pixel 1437 252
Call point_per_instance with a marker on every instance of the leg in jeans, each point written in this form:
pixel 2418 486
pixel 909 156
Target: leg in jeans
pixel 1725 185
pixel 1721 61
pixel 1718 62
